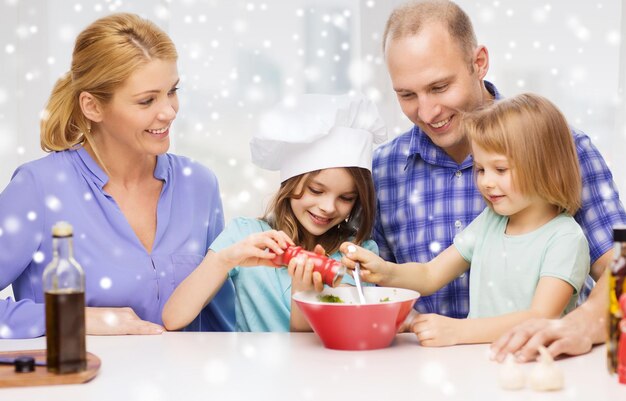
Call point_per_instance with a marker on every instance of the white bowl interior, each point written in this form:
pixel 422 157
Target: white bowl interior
pixel 349 296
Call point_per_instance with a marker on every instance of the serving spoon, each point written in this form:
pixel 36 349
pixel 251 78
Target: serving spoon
pixel 357 277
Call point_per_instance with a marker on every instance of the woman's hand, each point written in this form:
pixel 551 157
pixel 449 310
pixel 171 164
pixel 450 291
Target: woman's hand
pixel 373 268
pixel 303 278
pixel 117 321
pixel 256 249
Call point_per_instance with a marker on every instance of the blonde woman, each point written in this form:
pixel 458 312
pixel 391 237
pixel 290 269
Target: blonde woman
pixel 528 255
pixel 142 218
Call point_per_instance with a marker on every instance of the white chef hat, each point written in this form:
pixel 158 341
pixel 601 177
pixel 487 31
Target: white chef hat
pixel 313 132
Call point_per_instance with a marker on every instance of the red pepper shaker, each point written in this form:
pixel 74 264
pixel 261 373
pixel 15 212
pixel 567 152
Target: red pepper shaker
pixel 621 348
pixel 331 270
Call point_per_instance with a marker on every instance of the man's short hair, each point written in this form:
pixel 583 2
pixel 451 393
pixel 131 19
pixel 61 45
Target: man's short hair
pixel 408 19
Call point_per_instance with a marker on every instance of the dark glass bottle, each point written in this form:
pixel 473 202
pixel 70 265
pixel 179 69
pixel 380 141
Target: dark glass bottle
pixel 332 271
pixel 621 347
pixel 64 287
pixel 617 287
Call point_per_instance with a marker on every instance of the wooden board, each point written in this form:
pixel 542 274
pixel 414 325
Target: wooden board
pixel 40 376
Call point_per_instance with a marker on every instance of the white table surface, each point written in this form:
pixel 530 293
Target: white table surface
pixel 295 366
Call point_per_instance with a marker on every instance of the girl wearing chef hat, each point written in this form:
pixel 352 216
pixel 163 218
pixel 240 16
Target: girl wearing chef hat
pixel 322 146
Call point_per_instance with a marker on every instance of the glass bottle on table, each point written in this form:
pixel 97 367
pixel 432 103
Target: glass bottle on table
pixel 621 346
pixel 64 288
pixel 617 287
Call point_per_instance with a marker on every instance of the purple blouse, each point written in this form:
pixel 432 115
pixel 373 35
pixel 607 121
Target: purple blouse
pixel 119 271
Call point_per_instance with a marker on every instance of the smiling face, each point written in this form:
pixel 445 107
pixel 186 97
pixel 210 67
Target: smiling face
pixel 495 181
pixel 435 81
pixel 137 120
pixel 327 200
pixel 494 178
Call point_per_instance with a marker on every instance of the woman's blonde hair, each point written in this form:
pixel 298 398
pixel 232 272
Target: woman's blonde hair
pixel 534 135
pixel 280 216
pixel 105 54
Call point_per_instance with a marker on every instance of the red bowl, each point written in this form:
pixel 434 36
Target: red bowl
pixel 352 326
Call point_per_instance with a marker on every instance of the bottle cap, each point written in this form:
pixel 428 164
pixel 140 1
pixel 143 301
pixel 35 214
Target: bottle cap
pixel 24 364
pixel 62 229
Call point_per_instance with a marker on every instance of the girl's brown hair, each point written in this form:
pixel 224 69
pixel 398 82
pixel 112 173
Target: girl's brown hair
pixel 360 222
pixel 534 135
pixel 105 54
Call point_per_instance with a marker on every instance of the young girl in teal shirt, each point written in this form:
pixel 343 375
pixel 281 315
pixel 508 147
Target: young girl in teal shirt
pixel 528 256
pixel 322 146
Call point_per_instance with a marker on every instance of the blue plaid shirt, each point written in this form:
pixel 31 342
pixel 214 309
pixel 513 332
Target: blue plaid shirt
pixel 425 198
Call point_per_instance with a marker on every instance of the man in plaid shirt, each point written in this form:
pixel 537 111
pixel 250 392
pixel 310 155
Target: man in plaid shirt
pixel 424 184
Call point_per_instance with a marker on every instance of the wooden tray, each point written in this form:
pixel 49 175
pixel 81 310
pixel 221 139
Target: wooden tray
pixel 41 377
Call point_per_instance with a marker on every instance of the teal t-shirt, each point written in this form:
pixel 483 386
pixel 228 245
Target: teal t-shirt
pixel 505 269
pixel 262 294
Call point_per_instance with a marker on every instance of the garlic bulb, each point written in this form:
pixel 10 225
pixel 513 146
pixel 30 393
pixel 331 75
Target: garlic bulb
pixel 511 375
pixel 546 375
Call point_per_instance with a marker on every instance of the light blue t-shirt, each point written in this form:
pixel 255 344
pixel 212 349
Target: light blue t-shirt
pixel 262 294
pixel 506 268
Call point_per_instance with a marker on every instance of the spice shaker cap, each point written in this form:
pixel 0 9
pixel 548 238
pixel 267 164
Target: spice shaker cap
pixel 24 364
pixel 619 234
